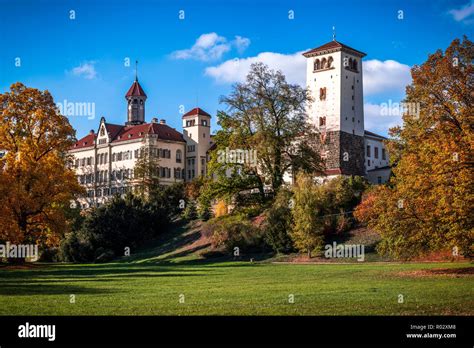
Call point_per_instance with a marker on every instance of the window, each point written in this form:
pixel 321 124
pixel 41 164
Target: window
pixel 368 163
pixel 119 156
pixel 384 156
pixel 204 123
pixel 322 93
pixel 114 157
pixel 330 60
pixel 105 158
pixel 323 63
pixel 379 179
pixel 178 156
pixel 376 152
pixel 322 121
pixel 316 65
pixel 203 161
pixel 368 151
pixel 76 163
pixel 191 148
pixel 89 161
pixel 102 141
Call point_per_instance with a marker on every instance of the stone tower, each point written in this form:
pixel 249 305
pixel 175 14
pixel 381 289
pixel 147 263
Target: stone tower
pixel 334 78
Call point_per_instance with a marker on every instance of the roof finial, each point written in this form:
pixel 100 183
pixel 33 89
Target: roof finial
pixel 136 70
pixel 333 33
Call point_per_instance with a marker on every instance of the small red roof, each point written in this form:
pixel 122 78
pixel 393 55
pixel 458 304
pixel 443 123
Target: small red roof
pixel 84 142
pixel 135 90
pixel 331 46
pixel 196 111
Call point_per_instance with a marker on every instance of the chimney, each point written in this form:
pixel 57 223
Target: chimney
pixel 162 121
pixel 154 120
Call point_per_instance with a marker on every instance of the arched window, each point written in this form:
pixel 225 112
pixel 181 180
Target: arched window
pixel 350 63
pixel 330 60
pixel 354 66
pixel 316 64
pixel 323 63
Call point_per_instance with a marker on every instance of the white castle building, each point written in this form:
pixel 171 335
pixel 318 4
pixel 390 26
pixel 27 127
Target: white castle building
pixel 105 161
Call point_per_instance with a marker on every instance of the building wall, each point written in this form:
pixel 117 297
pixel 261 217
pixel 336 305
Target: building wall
pixel 371 161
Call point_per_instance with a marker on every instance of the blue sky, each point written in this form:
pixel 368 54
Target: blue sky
pixel 192 61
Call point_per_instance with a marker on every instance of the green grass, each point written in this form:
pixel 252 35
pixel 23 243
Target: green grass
pixel 152 287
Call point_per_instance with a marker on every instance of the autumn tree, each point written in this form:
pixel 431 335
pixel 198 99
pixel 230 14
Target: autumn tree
pixel 428 204
pixel 36 184
pixel 266 116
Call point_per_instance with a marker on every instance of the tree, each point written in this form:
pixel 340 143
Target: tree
pixel 266 116
pixel 428 205
pixel 278 223
pixel 147 173
pixel 35 181
pixel 309 207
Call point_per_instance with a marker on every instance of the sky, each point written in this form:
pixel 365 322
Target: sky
pixel 190 53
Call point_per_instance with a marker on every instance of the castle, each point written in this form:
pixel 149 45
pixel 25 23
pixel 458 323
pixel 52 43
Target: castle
pixel 104 161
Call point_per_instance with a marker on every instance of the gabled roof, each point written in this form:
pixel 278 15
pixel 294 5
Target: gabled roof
pixel 136 90
pixel 122 133
pixel 370 134
pixel 332 46
pixel 196 111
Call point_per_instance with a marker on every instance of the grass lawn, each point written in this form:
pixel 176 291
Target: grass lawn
pixel 152 287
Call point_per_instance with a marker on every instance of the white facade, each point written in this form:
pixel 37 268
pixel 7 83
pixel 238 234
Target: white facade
pixel 334 79
pixel 105 161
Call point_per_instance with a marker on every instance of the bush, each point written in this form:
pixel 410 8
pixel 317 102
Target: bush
pixel 107 230
pixel 278 222
pixel 190 212
pixel 233 231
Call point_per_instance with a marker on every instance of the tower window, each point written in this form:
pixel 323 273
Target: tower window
pixel 322 93
pixel 322 121
pixel 368 151
pixel 316 64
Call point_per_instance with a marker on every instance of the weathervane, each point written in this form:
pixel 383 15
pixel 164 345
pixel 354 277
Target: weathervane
pixel 333 33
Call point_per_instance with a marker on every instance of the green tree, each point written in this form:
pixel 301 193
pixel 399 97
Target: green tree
pixel 147 173
pixel 267 116
pixel 309 207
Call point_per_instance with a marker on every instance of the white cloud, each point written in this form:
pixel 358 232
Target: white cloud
pixel 378 120
pixel 211 46
pixel 241 43
pixel 236 70
pixel 464 12
pixel 388 76
pixel 379 77
pixel 86 70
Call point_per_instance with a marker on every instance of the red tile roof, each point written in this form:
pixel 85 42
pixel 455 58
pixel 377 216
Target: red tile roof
pixel 84 142
pixel 135 90
pixel 196 111
pixel 332 45
pixel 122 133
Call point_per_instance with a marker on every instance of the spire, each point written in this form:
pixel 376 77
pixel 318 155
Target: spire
pixel 333 33
pixel 136 70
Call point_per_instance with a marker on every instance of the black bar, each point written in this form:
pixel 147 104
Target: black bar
pixel 222 331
